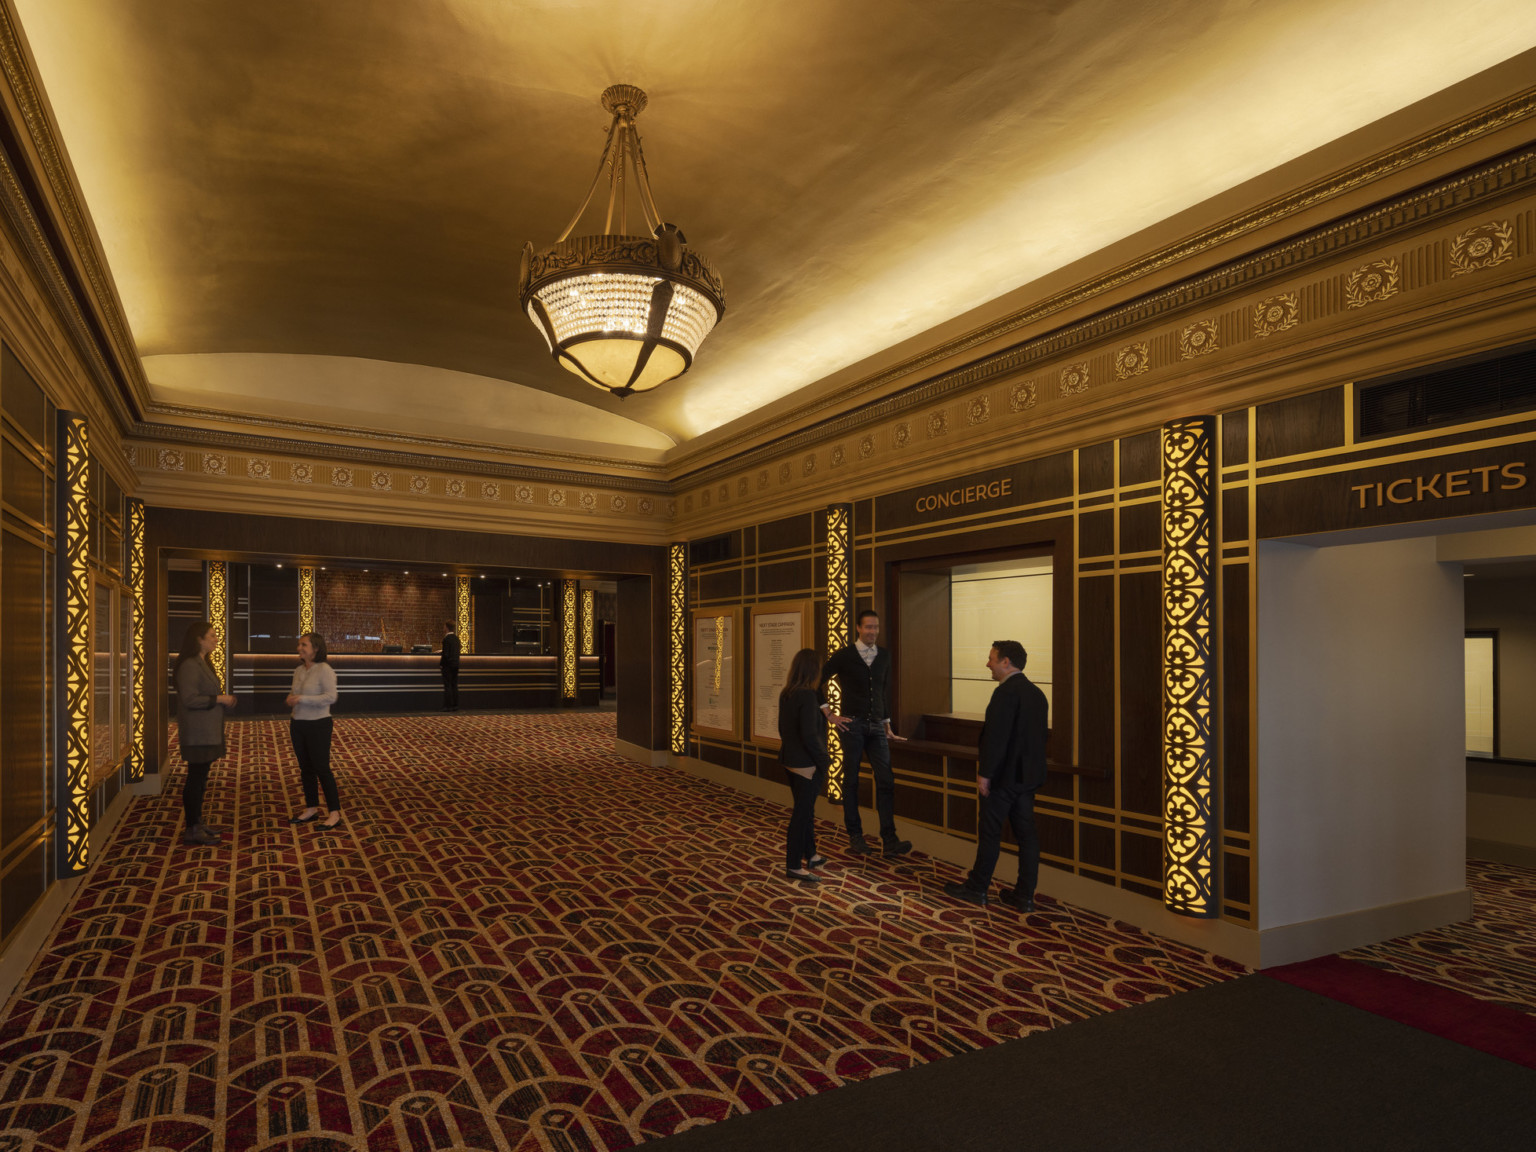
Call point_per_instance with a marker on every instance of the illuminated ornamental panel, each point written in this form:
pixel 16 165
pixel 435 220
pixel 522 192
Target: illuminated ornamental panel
pixel 76 649
pixel 588 621
pixel 568 639
pixel 839 596
pixel 1188 803
pixel 218 614
pixel 306 600
pixel 677 632
pixel 136 759
pixel 463 618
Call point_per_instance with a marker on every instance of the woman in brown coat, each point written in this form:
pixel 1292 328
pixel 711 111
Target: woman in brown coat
pixel 200 705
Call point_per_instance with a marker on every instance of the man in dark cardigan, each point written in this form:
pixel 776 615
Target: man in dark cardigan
pixel 863 672
pixel 1011 766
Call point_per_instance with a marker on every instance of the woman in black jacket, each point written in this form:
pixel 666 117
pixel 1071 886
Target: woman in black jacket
pixel 803 752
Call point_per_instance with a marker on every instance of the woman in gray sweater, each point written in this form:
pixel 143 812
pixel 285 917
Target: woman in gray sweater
pixel 200 706
pixel 314 691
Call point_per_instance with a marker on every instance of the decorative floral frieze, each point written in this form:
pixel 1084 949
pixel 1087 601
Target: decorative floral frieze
pixel 420 485
pixel 687 504
pixel 1198 339
pixel 724 493
pixel 258 469
pixel 866 447
pixel 1482 246
pixel 170 460
pixel 1276 314
pixel 743 488
pixel 618 503
pixel 902 435
pixel 786 473
pixel 762 480
pixel 301 473
pixel 490 491
pixel 215 464
pixel 1021 396
pixel 130 455
pixel 938 423
pixel 808 465
pixel 456 488
pixel 979 410
pixel 523 494
pixel 704 499
pixel 556 497
pixel 381 481
pixel 1132 360
pixel 839 456
pixel 341 477
pixel 1372 283
pixel 646 505
pixel 589 501
pixel 1074 379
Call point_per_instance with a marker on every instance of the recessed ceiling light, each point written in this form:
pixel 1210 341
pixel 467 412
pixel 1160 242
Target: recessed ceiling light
pixel 279 565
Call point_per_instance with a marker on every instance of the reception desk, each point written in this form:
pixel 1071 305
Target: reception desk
pixel 377 682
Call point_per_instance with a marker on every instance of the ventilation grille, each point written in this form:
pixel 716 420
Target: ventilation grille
pixel 1450 395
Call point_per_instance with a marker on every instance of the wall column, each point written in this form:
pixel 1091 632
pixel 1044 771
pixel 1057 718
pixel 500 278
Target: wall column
pixel 677 648
pixel 73 649
pixel 1188 531
pixel 839 519
pixel 588 622
pixel 216 596
pixel 137 670
pixel 306 600
pixel 463 616
pixel 569 691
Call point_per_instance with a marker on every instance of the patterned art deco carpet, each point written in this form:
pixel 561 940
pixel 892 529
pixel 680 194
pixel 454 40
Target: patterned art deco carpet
pixel 518 942
pixel 1491 956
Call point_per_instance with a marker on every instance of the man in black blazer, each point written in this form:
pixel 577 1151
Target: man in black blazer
pixel 448 664
pixel 1010 767
pixel 863 672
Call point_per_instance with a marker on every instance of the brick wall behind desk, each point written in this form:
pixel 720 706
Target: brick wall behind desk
pixel 402 609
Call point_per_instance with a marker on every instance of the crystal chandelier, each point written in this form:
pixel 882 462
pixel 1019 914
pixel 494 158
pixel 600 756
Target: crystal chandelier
pixel 625 313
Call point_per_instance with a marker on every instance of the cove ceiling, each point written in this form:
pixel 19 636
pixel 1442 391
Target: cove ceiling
pixel 314 210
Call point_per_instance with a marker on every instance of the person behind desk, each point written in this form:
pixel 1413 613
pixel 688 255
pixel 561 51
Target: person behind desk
pixel 1010 766
pixel 863 672
pixel 448 663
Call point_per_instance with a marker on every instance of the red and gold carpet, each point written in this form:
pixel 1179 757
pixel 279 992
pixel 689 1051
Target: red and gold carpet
pixel 518 941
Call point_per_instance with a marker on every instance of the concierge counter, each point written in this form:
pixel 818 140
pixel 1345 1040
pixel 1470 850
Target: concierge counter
pixel 381 682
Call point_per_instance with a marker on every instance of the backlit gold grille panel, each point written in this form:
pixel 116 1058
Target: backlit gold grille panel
pixel 306 600
pixel 464 619
pixel 568 639
pixel 677 635
pixel 136 756
pixel 1188 802
pixel 76 487
pixel 218 614
pixel 588 621
pixel 839 594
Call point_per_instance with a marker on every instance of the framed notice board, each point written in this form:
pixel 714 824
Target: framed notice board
pixel 716 652
pixel 778 631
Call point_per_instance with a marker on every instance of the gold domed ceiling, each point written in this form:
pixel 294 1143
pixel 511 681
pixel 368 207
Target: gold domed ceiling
pixel 315 210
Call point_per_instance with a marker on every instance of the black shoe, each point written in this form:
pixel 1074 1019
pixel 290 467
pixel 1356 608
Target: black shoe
pixel 895 848
pixel 310 819
pixel 1011 898
pixel 330 827
pixel 198 836
pixel 809 879
pixel 969 895
pixel 858 845
pixel 817 861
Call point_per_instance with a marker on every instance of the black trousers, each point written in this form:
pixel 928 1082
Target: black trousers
pixel 450 687
pixel 868 736
pixel 800 845
pixel 1006 804
pixel 312 747
pixel 193 791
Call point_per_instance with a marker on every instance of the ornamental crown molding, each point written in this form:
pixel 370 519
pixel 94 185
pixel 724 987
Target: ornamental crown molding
pixel 1458 195
pixel 1495 117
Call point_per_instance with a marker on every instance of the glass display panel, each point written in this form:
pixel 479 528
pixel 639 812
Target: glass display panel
pixel 1003 600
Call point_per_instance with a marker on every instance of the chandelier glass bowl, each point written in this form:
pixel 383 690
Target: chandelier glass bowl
pixel 625 313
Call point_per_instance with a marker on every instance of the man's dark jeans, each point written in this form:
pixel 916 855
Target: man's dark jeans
pixel 1006 804
pixel 868 736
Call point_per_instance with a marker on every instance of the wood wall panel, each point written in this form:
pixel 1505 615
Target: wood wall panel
pixel 1096 678
pixel 1141 459
pixel 23 655
pixel 1096 533
pixel 1234 438
pixel 1141 855
pixel 1096 468
pixel 1141 760
pixel 1141 528
pixel 783 535
pixel 1234 698
pixel 1311 422
pixel 1096 845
